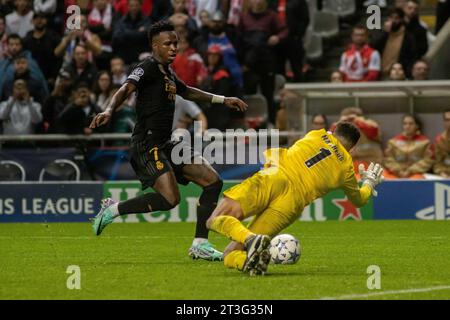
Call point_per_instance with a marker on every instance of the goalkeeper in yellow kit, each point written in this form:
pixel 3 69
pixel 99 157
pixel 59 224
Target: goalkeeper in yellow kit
pixel 291 179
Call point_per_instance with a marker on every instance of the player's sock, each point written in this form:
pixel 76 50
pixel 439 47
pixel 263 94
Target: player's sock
pixel 148 202
pixel 235 259
pixel 206 206
pixel 198 241
pixel 114 209
pixel 231 228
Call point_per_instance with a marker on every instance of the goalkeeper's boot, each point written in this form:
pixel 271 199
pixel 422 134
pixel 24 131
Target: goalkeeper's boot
pixel 205 251
pixel 104 217
pixel 255 245
pixel 262 265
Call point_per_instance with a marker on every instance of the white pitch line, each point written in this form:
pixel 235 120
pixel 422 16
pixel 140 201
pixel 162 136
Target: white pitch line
pixel 382 293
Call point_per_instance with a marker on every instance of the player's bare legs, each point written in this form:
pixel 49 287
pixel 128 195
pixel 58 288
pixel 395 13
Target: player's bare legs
pixel 207 178
pixel 166 197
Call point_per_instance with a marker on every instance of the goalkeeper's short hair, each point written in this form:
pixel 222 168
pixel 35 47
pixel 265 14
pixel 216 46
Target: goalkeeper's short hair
pixel 348 131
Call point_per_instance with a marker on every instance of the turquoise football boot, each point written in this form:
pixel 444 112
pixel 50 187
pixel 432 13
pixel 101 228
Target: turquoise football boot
pixel 104 217
pixel 205 251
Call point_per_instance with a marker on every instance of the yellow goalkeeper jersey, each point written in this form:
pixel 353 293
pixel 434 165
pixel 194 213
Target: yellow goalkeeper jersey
pixel 317 164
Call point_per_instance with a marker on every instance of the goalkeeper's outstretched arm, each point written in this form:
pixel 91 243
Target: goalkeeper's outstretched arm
pixel 371 177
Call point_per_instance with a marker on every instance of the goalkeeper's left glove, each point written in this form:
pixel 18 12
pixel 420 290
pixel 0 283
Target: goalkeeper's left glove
pixel 373 176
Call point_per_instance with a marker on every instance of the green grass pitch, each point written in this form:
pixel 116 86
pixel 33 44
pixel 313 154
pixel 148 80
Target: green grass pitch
pixel 149 261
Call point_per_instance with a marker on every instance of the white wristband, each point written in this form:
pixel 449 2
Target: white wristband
pixel 217 99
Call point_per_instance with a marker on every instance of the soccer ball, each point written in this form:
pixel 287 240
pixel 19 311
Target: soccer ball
pixel 284 249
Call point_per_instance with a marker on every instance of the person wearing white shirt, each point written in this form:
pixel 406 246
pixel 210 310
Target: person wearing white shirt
pixel 20 21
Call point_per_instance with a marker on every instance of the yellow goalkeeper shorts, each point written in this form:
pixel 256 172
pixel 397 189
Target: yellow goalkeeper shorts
pixel 270 197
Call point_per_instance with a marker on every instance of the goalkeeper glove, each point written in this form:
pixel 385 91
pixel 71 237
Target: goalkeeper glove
pixel 373 176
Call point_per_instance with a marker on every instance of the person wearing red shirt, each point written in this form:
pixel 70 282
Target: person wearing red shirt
pixel 188 64
pixel 360 62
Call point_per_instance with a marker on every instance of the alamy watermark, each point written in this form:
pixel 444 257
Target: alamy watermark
pixel 74 280
pixel 73 21
pixel 374 279
pixel 234 146
pixel 374 21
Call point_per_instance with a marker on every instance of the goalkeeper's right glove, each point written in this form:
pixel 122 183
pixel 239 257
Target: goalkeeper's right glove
pixel 373 176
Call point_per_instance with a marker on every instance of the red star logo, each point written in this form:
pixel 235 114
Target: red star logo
pixel 347 209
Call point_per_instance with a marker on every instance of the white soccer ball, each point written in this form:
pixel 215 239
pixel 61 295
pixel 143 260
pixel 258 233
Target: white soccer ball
pixel 284 249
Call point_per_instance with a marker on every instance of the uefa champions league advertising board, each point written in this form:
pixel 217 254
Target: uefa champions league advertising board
pixel 78 202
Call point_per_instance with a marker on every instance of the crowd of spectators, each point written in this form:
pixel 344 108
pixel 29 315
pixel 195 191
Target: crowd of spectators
pixel 228 47
pixel 54 78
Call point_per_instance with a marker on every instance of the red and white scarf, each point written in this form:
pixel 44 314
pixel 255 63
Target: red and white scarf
pixel 96 17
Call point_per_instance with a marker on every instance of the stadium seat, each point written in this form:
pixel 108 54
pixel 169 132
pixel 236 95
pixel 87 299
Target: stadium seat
pixel 257 112
pixel 313 46
pixel 60 170
pixel 11 171
pixel 343 8
pixel 326 24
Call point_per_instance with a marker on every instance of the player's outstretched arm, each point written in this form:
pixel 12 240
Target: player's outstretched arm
pixel 117 100
pixel 198 95
pixel 371 177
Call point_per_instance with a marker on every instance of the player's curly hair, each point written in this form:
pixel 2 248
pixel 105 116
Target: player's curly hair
pixel 348 131
pixel 158 27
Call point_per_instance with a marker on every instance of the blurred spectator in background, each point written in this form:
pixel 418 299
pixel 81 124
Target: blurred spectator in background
pixel 57 101
pixel 48 7
pixel 217 33
pixel 420 70
pixel 121 6
pixel 235 8
pixel 205 19
pixel 14 49
pixel 20 20
pixel 218 82
pixel 185 112
pixel 442 149
pixel 37 86
pixel 189 65
pixel 396 73
pixel 294 14
pixel 442 14
pixel 319 121
pixel 260 30
pixel 336 77
pixel 80 69
pixel 3 38
pixel 368 149
pixel 409 154
pixel 130 33
pixel 73 38
pixel 102 90
pixel 20 113
pixel 100 22
pixel 6 7
pixel 395 43
pixel 414 26
pixel 180 18
pixel 360 62
pixel 41 42
pixel 76 117
pixel 118 70
pixel 197 6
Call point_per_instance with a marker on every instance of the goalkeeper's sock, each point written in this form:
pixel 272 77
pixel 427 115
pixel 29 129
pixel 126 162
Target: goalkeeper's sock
pixel 235 259
pixel 231 228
